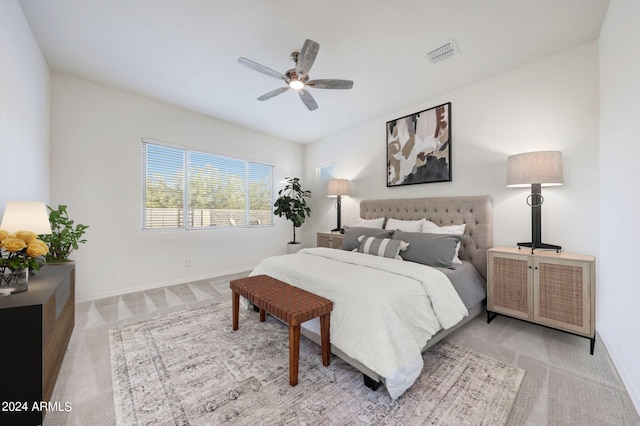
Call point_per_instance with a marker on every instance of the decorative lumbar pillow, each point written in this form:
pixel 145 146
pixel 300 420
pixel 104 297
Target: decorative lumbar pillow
pixel 351 234
pixel 370 223
pixel 383 247
pixel 405 225
pixel 429 249
pixel 431 228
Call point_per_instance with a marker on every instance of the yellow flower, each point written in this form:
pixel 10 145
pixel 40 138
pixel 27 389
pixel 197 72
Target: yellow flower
pixel 13 244
pixel 26 236
pixel 37 248
pixel 3 234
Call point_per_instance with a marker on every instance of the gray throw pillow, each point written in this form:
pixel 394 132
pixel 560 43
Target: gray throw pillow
pixel 383 247
pixel 351 234
pixel 429 249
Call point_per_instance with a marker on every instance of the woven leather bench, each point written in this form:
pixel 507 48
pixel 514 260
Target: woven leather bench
pixel 291 305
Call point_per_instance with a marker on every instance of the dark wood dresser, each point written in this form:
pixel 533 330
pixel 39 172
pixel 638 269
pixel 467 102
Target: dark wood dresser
pixel 35 328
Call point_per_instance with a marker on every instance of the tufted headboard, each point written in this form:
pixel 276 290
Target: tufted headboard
pixel 475 211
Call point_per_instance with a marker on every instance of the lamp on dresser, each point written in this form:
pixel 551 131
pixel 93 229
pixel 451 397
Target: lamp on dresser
pixel 21 216
pixel 338 188
pixel 26 215
pixel 535 169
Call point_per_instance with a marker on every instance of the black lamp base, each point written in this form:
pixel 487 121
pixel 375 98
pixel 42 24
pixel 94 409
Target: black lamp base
pixel 541 246
pixel 535 200
pixel 339 227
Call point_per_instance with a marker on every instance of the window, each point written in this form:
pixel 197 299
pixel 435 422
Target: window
pixel 219 191
pixel 323 175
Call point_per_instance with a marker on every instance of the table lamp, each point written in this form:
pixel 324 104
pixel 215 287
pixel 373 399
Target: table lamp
pixel 26 215
pixel 338 188
pixel 535 169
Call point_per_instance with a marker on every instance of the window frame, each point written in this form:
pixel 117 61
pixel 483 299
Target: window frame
pixel 184 224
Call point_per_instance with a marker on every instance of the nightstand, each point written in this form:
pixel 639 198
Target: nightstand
pixel 552 289
pixel 330 239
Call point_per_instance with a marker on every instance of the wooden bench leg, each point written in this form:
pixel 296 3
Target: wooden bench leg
pixel 235 309
pixel 326 339
pixel 294 353
pixel 263 315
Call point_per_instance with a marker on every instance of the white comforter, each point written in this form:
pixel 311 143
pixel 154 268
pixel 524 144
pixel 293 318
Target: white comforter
pixel 384 310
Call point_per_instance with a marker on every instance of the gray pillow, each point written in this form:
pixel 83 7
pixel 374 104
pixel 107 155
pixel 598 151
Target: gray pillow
pixel 383 247
pixel 429 249
pixel 351 234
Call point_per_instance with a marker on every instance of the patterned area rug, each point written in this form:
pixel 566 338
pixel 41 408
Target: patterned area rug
pixel 190 368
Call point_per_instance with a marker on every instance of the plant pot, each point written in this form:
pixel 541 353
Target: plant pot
pixel 14 281
pixel 293 248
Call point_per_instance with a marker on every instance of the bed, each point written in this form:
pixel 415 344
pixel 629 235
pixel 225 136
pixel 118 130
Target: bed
pixel 388 311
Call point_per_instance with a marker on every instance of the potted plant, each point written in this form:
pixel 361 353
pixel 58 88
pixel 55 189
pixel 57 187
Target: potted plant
pixel 291 204
pixel 64 237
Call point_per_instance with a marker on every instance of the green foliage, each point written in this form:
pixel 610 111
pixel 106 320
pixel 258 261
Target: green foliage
pixel 291 204
pixel 260 195
pixel 161 193
pixel 209 188
pixel 20 260
pixel 65 237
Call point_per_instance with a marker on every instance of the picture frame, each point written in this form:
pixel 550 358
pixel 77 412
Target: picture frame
pixel 419 147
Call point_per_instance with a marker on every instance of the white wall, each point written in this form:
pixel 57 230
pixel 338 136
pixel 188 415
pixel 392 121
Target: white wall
pixel 96 171
pixel 551 104
pixel 618 285
pixel 24 110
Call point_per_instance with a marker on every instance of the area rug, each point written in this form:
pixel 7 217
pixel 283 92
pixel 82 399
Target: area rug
pixel 190 368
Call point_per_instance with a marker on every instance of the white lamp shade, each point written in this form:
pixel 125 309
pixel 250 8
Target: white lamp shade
pixel 543 167
pixel 337 187
pixel 26 216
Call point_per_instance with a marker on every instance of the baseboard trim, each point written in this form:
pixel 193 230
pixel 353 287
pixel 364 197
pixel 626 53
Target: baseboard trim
pixel 165 284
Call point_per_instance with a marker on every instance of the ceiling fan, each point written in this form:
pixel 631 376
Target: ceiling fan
pixel 298 78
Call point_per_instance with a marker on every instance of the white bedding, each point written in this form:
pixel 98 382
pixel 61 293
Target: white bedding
pixel 384 310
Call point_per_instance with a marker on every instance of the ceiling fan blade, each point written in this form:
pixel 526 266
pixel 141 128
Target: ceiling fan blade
pixel 271 94
pixel 261 68
pixel 330 84
pixel 307 57
pixel 308 100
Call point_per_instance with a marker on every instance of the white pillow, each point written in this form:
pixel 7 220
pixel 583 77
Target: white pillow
pixel 370 223
pixel 405 225
pixel 429 227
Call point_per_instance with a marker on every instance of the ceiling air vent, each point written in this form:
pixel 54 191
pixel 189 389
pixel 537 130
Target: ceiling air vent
pixel 442 53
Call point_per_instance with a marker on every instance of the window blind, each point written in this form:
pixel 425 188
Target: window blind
pixel 218 191
pixel 163 187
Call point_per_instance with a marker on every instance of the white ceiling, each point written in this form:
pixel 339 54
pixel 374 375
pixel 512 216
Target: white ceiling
pixel 185 52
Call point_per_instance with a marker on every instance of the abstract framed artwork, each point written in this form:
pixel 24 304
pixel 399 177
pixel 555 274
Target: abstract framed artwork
pixel 419 147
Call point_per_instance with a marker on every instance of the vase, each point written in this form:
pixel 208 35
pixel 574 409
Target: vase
pixel 14 281
pixel 294 247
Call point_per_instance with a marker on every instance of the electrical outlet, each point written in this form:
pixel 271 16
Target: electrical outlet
pixel 187 263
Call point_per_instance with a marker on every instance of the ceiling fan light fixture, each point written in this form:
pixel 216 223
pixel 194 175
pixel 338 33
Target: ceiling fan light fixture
pixel 298 78
pixel 296 84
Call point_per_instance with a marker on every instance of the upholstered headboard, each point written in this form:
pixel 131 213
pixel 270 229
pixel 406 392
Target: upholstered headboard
pixel 475 211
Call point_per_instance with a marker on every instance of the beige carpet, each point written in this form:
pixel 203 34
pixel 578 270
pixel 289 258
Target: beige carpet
pixel 190 368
